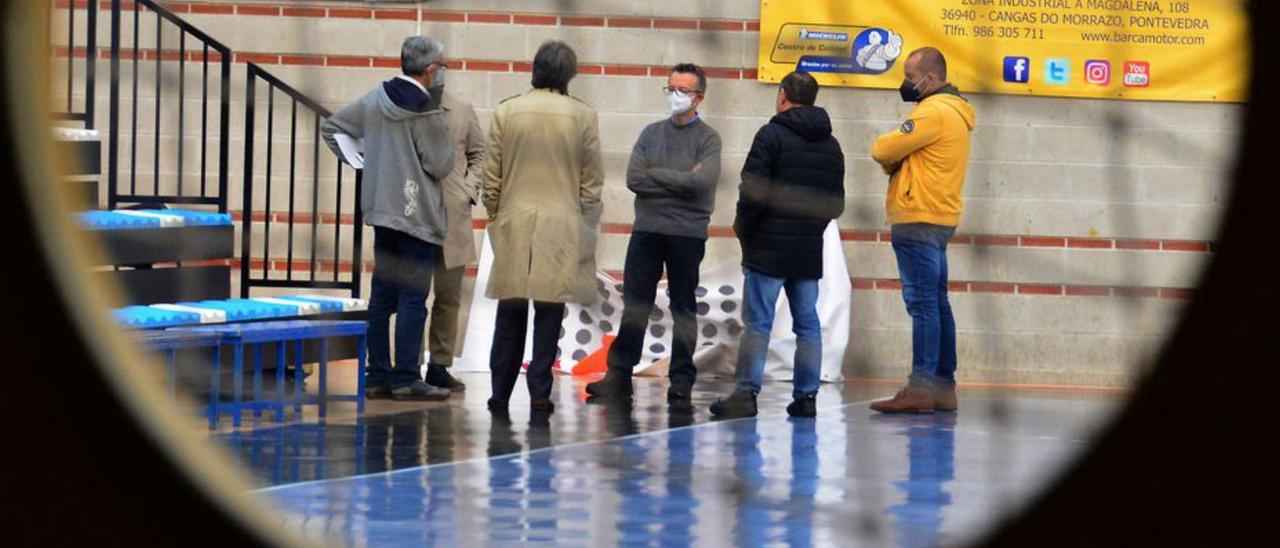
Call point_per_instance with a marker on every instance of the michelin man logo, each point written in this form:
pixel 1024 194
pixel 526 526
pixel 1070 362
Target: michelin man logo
pixel 410 197
pixel 876 49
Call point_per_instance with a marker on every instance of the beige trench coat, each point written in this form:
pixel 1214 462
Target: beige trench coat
pixel 462 186
pixel 542 187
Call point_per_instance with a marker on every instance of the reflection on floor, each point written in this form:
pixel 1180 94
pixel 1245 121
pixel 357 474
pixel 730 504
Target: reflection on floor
pixel 605 474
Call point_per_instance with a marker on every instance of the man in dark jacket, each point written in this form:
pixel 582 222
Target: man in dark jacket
pixel 792 187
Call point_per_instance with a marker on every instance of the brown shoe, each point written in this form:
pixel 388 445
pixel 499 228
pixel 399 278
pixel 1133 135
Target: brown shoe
pixel 908 400
pixel 944 398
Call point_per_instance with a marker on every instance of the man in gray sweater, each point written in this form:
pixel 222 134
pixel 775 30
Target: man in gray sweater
pixel 673 172
pixel 408 151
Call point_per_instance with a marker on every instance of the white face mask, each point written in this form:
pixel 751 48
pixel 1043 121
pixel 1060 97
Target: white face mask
pixel 680 103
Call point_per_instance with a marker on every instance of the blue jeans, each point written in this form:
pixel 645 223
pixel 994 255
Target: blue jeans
pixel 402 271
pixel 759 299
pixel 921 250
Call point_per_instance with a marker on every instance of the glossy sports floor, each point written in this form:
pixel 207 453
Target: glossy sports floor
pixel 592 474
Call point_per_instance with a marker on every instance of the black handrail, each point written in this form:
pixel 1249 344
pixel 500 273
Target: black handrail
pixel 248 277
pixel 86 113
pixel 207 44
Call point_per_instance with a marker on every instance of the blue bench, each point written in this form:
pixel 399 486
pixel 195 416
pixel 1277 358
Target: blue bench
pixel 159 316
pixel 258 334
pixel 170 342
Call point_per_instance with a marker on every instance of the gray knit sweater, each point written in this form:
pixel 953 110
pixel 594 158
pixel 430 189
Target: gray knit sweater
pixel 672 198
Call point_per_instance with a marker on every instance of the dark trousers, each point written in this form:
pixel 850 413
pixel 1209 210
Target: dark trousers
pixel 507 353
pixel 401 279
pixel 647 253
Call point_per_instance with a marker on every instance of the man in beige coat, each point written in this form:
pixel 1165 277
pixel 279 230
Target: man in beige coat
pixel 461 191
pixel 542 187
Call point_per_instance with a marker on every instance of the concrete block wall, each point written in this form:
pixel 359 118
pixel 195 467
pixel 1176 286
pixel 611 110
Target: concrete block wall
pixel 1087 221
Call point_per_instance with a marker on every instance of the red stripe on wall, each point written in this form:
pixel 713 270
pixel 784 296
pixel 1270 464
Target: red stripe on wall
pixel 1089 243
pixel 351 13
pixel 258 10
pixel 675 24
pixel 534 19
pixel 403 15
pixel 1041 241
pixel 444 16
pixel 581 21
pixel 502 18
pixel 302 12
pixel 630 22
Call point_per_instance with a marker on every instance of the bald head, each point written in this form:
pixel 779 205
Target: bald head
pixel 925 72
pixel 929 60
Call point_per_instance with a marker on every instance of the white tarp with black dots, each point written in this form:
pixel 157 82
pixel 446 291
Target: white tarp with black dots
pixel 719 321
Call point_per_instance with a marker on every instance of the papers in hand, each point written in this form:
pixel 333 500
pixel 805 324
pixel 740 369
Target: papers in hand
pixel 352 149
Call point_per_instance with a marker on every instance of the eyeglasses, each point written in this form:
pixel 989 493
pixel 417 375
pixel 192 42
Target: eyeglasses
pixel 441 64
pixel 671 89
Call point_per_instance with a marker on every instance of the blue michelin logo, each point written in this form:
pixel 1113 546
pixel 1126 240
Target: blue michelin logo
pixel 1017 70
pixel 819 35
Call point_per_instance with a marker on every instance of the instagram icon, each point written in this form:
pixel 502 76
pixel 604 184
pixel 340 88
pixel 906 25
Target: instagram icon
pixel 1097 71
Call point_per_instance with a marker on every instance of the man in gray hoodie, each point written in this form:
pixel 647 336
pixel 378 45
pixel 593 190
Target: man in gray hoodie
pixel 408 152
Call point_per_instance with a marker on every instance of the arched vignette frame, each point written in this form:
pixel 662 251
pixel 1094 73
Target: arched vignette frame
pixel 122 467
pixel 1165 468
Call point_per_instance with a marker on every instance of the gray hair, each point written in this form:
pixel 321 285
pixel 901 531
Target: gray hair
pixel 419 52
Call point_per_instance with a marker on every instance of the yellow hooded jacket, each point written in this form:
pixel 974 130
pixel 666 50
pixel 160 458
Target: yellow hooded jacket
pixel 927 157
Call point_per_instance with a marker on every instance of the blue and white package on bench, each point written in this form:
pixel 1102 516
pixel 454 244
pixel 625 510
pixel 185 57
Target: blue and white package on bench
pixel 150 317
pixel 193 218
pixel 125 219
pixel 239 310
pixel 305 308
pixel 207 315
pixel 233 310
pixel 330 304
pixel 114 220
pixel 322 306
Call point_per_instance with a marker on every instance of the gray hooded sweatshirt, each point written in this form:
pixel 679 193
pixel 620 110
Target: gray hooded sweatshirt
pixel 407 155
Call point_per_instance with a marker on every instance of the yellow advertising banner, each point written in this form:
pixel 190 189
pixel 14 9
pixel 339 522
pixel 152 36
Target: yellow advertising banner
pixel 1165 50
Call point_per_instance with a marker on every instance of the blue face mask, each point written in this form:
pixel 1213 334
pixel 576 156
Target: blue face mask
pixel 438 79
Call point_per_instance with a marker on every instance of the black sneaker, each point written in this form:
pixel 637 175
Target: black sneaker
pixel 542 406
pixel 610 386
pixel 806 406
pixel 438 375
pixel 377 391
pixel 741 403
pixel 679 394
pixel 419 391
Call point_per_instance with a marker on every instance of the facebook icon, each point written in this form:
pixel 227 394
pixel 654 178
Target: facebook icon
pixel 1017 69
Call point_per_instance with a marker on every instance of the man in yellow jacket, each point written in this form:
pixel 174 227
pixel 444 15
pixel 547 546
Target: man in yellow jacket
pixel 926 158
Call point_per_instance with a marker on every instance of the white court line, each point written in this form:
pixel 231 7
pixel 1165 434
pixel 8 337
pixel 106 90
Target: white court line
pixel 541 449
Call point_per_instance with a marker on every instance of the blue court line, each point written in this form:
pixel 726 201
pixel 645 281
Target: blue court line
pixel 544 449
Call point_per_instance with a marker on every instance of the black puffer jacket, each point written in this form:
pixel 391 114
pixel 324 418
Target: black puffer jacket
pixel 792 187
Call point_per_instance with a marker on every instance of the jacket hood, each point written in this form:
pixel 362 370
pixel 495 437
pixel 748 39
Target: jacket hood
pixel 809 122
pixel 400 100
pixel 949 97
